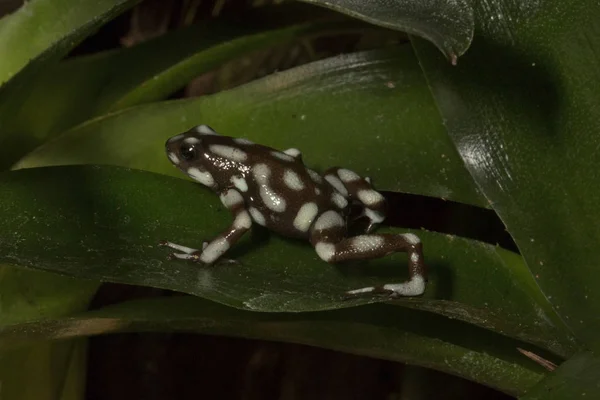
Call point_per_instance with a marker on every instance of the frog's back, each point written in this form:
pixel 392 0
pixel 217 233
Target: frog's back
pixel 283 194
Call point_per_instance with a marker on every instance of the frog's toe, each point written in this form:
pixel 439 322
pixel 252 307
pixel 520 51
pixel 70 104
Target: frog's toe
pixel 369 291
pixel 194 256
pixel 175 246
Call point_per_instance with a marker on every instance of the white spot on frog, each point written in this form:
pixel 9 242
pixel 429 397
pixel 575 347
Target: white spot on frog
pixel 292 180
pixel 228 152
pixel 305 216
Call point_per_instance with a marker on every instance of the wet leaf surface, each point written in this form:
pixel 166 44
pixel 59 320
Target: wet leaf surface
pixel 448 24
pixel 371 112
pixel 380 331
pixel 577 378
pixel 51 27
pixel 104 223
pixel 522 110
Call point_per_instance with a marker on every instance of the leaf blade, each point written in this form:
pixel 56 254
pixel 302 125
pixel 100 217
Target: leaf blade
pixel 521 134
pixel 333 107
pixel 379 331
pixel 114 238
pixel 576 378
pixel 449 25
pixel 60 24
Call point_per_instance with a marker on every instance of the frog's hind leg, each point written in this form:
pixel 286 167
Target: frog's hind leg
pixel 359 189
pixel 328 237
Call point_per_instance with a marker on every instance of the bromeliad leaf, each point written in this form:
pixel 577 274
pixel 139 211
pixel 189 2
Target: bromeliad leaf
pixel 104 223
pixel 371 103
pixel 529 137
pixel 78 89
pixel 380 331
pixel 52 28
pixel 448 24
pixel 577 378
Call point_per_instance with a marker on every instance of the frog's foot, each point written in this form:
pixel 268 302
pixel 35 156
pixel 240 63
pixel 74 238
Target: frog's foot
pixel 370 291
pixel 191 254
pixel 187 253
pixel 411 288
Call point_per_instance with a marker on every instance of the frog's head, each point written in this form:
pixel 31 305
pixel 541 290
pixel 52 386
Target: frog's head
pixel 209 158
pixel 189 152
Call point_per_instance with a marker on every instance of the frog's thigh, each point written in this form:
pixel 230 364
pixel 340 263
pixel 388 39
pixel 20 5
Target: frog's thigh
pixel 360 189
pixel 328 237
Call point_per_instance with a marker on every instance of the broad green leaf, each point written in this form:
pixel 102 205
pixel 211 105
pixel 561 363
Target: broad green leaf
pixel 448 24
pixel 50 28
pixel 78 89
pixel 577 378
pixel 370 111
pixel 522 110
pixel 380 331
pixel 104 223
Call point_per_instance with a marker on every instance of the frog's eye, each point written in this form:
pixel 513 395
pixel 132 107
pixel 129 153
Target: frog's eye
pixel 188 151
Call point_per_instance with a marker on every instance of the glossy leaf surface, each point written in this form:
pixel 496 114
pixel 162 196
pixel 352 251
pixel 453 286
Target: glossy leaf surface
pixel 78 89
pixel 448 24
pixel 522 109
pixel 340 111
pixel 380 331
pixel 104 223
pixel 577 378
pixel 51 27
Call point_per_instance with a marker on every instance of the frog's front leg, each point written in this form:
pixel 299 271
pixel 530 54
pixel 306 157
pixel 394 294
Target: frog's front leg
pixel 213 250
pixel 328 236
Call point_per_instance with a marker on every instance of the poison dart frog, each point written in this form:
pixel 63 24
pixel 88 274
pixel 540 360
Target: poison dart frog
pixel 263 186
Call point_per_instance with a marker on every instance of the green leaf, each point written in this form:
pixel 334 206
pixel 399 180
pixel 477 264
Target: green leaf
pixel 75 90
pixel 373 108
pixel 380 331
pixel 522 111
pixel 104 223
pixel 577 378
pixel 448 24
pixel 51 28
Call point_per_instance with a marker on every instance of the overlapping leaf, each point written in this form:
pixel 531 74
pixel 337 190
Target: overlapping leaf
pixel 380 331
pixel 522 111
pixel 330 96
pixel 52 28
pixel 372 108
pixel 78 89
pixel 104 223
pixel 448 24
pixel 577 378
